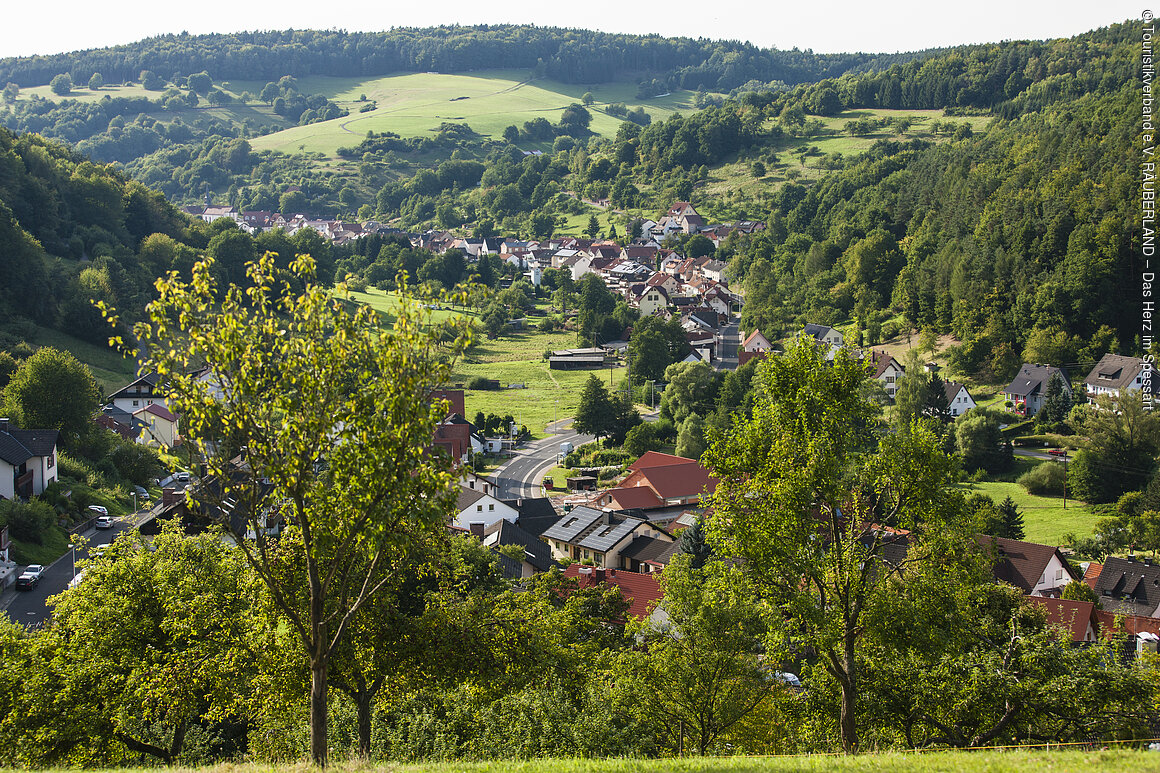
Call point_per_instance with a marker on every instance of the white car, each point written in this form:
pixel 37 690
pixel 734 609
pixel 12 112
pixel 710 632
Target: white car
pixel 98 510
pixel 104 522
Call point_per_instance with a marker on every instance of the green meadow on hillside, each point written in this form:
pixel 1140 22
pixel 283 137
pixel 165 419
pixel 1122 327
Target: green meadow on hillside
pixel 413 105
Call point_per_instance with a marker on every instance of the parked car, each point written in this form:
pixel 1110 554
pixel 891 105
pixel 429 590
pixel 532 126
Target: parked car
pixel 30 577
pixel 104 522
pixel 98 510
pixel 142 492
pixel 181 476
pixel 1057 451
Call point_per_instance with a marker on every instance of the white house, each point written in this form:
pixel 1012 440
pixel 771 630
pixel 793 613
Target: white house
pixel 959 400
pixel 475 507
pixel 27 460
pixel 887 371
pixel 824 334
pixel 138 394
pixel 1115 373
pixel 1029 387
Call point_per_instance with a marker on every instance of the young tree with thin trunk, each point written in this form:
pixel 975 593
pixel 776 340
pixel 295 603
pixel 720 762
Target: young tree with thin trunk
pixel 808 487
pixel 333 419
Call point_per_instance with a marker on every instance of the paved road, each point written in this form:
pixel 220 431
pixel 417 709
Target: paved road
pixel 28 607
pixel 520 478
pixel 730 343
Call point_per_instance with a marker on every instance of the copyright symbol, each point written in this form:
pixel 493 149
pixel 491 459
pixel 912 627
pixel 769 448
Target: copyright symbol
pixel 1147 16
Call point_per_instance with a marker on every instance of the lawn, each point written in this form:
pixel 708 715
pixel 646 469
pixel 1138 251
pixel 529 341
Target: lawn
pixel 112 371
pixel 55 545
pixel 1045 519
pixel 414 104
pixel 1031 761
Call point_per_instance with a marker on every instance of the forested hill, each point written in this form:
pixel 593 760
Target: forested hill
pixel 1020 241
pixel 73 232
pixel 568 55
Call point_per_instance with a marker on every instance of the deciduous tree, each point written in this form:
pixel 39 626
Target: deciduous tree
pixel 335 418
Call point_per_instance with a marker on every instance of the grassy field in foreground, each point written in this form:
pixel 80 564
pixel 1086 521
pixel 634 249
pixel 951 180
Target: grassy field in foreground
pixel 1120 761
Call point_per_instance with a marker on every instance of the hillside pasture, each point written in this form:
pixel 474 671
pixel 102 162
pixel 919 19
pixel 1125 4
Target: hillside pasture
pixel 414 104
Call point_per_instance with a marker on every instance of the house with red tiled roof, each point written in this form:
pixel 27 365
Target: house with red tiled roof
pixel 1037 570
pixel 755 346
pixel 1091 574
pixel 1077 618
pixel 1146 630
pixel 641 591
pixel 158 426
pixel 673 479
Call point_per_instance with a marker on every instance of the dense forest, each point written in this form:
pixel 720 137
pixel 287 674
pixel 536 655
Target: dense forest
pixel 572 56
pixel 1019 240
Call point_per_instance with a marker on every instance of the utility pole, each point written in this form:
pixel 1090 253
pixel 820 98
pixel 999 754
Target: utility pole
pixel 1065 479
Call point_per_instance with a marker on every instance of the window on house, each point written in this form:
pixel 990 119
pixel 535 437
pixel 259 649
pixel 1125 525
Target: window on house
pixel 51 460
pixel 479 508
pixel 134 403
pixel 890 379
pixel 600 559
pixel 1059 574
pixel 491 507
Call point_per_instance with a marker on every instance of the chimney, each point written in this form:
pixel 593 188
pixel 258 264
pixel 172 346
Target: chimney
pixel 168 496
pixel 477 530
pixel 599 574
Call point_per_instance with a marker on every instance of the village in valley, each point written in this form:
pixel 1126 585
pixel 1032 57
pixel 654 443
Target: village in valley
pixel 474 395
pixel 624 530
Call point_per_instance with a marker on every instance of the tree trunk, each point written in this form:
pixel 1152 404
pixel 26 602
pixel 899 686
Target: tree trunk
pixel 363 706
pixel 318 740
pixel 849 684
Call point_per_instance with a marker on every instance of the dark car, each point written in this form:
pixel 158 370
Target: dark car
pixel 30 578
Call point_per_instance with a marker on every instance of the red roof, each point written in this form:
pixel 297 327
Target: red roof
pixel 1075 617
pixel 750 337
pixel 158 411
pixel 657 459
pixel 1133 624
pixel 1092 574
pixel 641 497
pixel 641 591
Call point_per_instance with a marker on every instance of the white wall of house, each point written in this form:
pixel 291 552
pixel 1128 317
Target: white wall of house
pixel 486 510
pixel 962 403
pixel 1054 577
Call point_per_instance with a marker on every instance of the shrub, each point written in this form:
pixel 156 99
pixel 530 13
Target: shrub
pixel 29 521
pixel 1046 479
pixel 479 382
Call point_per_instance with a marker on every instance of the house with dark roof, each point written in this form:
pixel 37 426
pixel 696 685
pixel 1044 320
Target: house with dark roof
pixel 959 400
pixel 886 370
pixel 824 334
pixel 599 536
pixel 537 556
pixel 1037 570
pixel 1115 374
pixel 535 514
pixel 648 554
pixel 1129 586
pixel 27 460
pixel 472 506
pixel 1028 389
pixel 137 394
